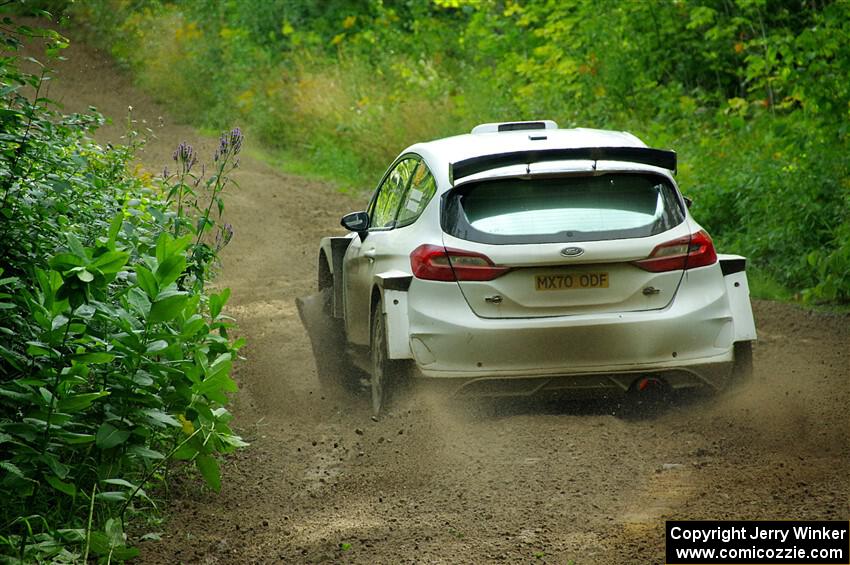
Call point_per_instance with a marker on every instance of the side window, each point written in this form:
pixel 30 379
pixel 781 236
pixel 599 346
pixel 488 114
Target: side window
pixel 422 188
pixel 390 193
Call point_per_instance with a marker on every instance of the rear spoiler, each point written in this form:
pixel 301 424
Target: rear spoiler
pixel 647 156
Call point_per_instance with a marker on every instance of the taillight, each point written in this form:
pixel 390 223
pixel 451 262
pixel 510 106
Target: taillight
pixel 437 263
pixel 689 252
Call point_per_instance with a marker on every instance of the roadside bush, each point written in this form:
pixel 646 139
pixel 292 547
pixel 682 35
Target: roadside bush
pixel 775 189
pixel 114 358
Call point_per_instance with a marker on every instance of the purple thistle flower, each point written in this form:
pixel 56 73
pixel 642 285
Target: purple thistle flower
pixel 229 144
pixel 236 139
pixel 185 157
pixel 223 237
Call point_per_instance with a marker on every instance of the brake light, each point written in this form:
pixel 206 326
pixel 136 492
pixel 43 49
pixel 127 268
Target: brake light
pixel 695 250
pixel 438 263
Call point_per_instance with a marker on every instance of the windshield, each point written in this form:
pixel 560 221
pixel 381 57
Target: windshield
pixel 574 208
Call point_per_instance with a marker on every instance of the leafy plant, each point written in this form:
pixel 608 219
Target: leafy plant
pixel 114 358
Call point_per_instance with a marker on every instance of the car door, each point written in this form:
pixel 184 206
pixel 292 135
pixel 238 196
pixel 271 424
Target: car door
pixel 368 255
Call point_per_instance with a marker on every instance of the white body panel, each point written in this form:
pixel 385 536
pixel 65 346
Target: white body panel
pixel 695 329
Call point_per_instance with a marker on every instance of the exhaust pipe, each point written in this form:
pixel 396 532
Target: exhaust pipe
pixel 649 384
pixel 647 397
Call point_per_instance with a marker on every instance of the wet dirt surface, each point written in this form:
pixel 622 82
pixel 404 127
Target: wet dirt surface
pixel 536 481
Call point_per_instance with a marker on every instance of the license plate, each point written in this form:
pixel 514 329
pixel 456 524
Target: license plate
pixel 571 281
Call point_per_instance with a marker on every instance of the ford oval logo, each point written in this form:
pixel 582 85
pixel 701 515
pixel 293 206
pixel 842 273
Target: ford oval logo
pixel 572 251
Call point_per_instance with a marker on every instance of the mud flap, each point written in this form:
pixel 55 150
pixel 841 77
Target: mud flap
pixel 738 291
pixel 334 248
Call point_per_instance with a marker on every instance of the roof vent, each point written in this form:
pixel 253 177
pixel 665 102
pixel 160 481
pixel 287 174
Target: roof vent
pixel 514 126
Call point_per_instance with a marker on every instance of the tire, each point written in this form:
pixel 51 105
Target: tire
pixel 742 369
pixel 327 339
pixel 385 374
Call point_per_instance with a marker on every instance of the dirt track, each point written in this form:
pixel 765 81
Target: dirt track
pixel 436 482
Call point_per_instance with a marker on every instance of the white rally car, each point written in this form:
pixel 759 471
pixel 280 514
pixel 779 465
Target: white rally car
pixel 523 258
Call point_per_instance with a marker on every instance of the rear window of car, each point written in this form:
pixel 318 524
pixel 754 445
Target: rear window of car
pixel 562 209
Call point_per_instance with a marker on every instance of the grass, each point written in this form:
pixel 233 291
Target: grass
pixel 765 287
pixel 291 163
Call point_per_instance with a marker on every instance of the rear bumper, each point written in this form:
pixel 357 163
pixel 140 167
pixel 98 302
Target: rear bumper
pixel 713 376
pixel 689 343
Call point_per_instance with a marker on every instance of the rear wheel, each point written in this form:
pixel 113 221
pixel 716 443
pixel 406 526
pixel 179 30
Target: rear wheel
pixel 327 338
pixel 385 373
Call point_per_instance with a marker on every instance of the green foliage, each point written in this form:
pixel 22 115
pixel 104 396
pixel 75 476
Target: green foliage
pixel 114 360
pixel 752 93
